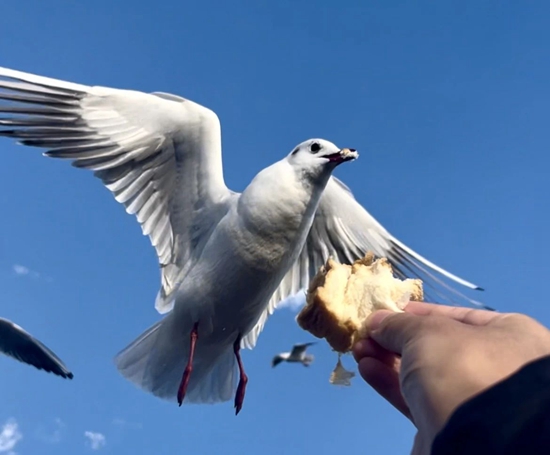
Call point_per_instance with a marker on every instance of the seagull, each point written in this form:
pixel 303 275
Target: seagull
pixel 298 354
pixel 21 345
pixel 226 259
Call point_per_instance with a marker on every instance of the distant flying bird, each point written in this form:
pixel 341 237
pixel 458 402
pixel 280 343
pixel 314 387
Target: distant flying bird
pixel 19 344
pixel 226 258
pixel 297 355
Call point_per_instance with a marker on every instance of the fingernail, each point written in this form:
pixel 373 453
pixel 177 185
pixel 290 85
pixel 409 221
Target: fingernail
pixel 376 318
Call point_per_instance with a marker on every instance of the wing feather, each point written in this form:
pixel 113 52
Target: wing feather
pixel 343 229
pixel 19 344
pixel 158 154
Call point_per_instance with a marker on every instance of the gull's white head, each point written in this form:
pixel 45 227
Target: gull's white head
pixel 320 154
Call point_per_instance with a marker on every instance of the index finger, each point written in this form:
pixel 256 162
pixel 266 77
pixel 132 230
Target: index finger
pixel 468 316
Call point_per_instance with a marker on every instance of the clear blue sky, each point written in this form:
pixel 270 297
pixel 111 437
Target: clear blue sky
pixel 447 103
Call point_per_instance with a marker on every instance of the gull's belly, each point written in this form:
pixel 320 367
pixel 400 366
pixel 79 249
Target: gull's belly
pixel 228 288
pixel 244 298
pixel 244 261
pixel 226 302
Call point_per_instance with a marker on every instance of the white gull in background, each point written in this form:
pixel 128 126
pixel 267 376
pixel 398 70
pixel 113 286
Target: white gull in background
pixel 21 345
pixel 226 258
pixel 297 355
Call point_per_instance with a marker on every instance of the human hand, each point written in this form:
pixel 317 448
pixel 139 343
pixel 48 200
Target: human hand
pixel 432 358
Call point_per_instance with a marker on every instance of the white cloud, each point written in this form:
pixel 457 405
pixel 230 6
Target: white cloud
pixel 21 269
pixel 9 436
pixel 294 302
pixel 97 440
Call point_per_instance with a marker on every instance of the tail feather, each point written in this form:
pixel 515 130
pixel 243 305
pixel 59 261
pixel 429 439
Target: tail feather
pixel 132 360
pixel 156 359
pixel 219 384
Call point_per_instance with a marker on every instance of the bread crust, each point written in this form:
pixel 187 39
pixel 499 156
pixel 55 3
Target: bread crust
pixel 340 298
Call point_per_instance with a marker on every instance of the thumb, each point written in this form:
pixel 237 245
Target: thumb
pixel 393 330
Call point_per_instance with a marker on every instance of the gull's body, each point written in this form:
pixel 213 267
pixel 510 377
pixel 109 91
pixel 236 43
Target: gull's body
pixel 21 345
pixel 226 258
pixel 297 355
pixel 228 288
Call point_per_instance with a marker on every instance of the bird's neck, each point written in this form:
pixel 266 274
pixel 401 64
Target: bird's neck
pixel 281 198
pixel 277 210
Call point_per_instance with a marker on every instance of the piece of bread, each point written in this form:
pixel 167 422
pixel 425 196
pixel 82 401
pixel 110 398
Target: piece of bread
pixel 341 297
pixel 341 376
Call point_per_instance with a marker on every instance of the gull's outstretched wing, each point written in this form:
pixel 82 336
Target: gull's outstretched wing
pixel 343 229
pixel 299 349
pixel 17 343
pixel 159 154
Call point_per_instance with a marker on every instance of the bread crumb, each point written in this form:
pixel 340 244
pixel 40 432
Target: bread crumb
pixel 341 376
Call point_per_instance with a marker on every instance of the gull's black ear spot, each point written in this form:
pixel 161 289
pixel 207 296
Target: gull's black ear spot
pixel 315 147
pixel 295 151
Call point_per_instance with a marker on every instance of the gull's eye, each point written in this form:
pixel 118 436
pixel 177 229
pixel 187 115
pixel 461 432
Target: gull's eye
pixel 315 147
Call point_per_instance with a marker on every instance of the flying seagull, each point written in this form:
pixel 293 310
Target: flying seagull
pixel 297 355
pixel 226 258
pixel 21 345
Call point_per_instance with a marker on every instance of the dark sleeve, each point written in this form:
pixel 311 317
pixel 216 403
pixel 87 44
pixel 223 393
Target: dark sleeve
pixel 512 417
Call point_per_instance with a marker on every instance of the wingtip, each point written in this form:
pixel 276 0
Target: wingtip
pixel 62 373
pixel 479 288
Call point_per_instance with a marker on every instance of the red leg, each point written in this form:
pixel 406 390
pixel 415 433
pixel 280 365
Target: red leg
pixel 243 379
pixel 187 372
